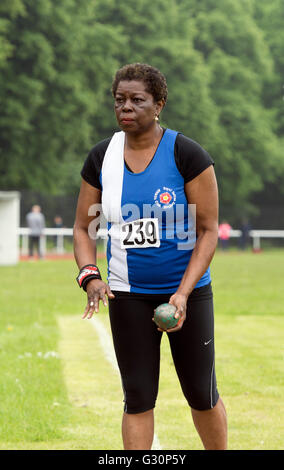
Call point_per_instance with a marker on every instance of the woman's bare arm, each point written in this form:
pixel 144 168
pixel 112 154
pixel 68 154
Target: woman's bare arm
pixel 84 236
pixel 84 245
pixel 203 192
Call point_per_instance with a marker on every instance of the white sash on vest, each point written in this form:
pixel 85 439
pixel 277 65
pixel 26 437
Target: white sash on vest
pixel 112 183
pixel 112 178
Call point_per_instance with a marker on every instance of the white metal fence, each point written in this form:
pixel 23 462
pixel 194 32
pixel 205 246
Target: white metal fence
pixel 59 234
pixel 256 236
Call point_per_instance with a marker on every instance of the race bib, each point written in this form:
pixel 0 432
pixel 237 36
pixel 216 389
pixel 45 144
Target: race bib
pixel 141 233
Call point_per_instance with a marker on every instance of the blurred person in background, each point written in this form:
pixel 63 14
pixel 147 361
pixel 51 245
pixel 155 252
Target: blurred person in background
pixel 36 223
pixel 244 238
pixel 224 234
pixel 58 223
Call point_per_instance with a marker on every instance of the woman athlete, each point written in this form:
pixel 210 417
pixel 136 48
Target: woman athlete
pixel 147 179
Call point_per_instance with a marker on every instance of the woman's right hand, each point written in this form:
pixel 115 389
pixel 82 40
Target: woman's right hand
pixel 96 291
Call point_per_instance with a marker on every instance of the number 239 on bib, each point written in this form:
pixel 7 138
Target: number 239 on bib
pixel 141 233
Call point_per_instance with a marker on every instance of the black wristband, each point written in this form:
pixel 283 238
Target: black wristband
pixel 86 274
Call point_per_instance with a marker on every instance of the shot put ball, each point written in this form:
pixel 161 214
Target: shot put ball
pixel 164 316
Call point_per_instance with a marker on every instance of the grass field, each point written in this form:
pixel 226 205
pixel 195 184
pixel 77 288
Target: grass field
pixel 58 390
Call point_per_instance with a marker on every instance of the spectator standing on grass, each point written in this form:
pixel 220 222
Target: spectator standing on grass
pixel 224 234
pixel 244 238
pixel 36 223
pixel 58 223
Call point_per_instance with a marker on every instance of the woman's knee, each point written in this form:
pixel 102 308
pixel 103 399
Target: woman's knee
pixel 201 399
pixel 138 398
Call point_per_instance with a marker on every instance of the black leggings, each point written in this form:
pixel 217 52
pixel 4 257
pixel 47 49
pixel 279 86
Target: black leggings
pixel 137 347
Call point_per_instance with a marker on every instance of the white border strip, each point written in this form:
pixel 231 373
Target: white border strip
pixel 106 342
pixel 107 346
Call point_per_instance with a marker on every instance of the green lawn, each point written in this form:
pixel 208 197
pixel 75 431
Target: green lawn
pixel 58 391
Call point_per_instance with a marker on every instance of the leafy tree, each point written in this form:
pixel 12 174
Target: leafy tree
pixel 223 63
pixel 157 33
pixel 240 63
pixel 51 86
pixel 270 18
pixel 217 65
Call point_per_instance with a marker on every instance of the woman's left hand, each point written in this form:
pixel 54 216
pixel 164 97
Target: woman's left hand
pixel 179 301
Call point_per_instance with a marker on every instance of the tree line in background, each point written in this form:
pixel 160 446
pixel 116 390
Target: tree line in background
pixel 223 62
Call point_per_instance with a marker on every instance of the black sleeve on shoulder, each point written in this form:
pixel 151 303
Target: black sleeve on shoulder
pixel 93 164
pixel 191 159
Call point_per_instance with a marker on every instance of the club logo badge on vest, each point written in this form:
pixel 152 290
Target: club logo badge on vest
pixel 165 197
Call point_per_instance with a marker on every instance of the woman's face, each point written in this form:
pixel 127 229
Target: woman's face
pixel 135 108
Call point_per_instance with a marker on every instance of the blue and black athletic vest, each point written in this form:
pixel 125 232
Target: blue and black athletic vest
pixel 156 193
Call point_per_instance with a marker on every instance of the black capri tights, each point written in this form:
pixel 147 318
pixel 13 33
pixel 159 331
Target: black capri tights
pixel 137 347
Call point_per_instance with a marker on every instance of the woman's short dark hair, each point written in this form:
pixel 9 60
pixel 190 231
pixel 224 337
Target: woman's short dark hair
pixel 154 80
